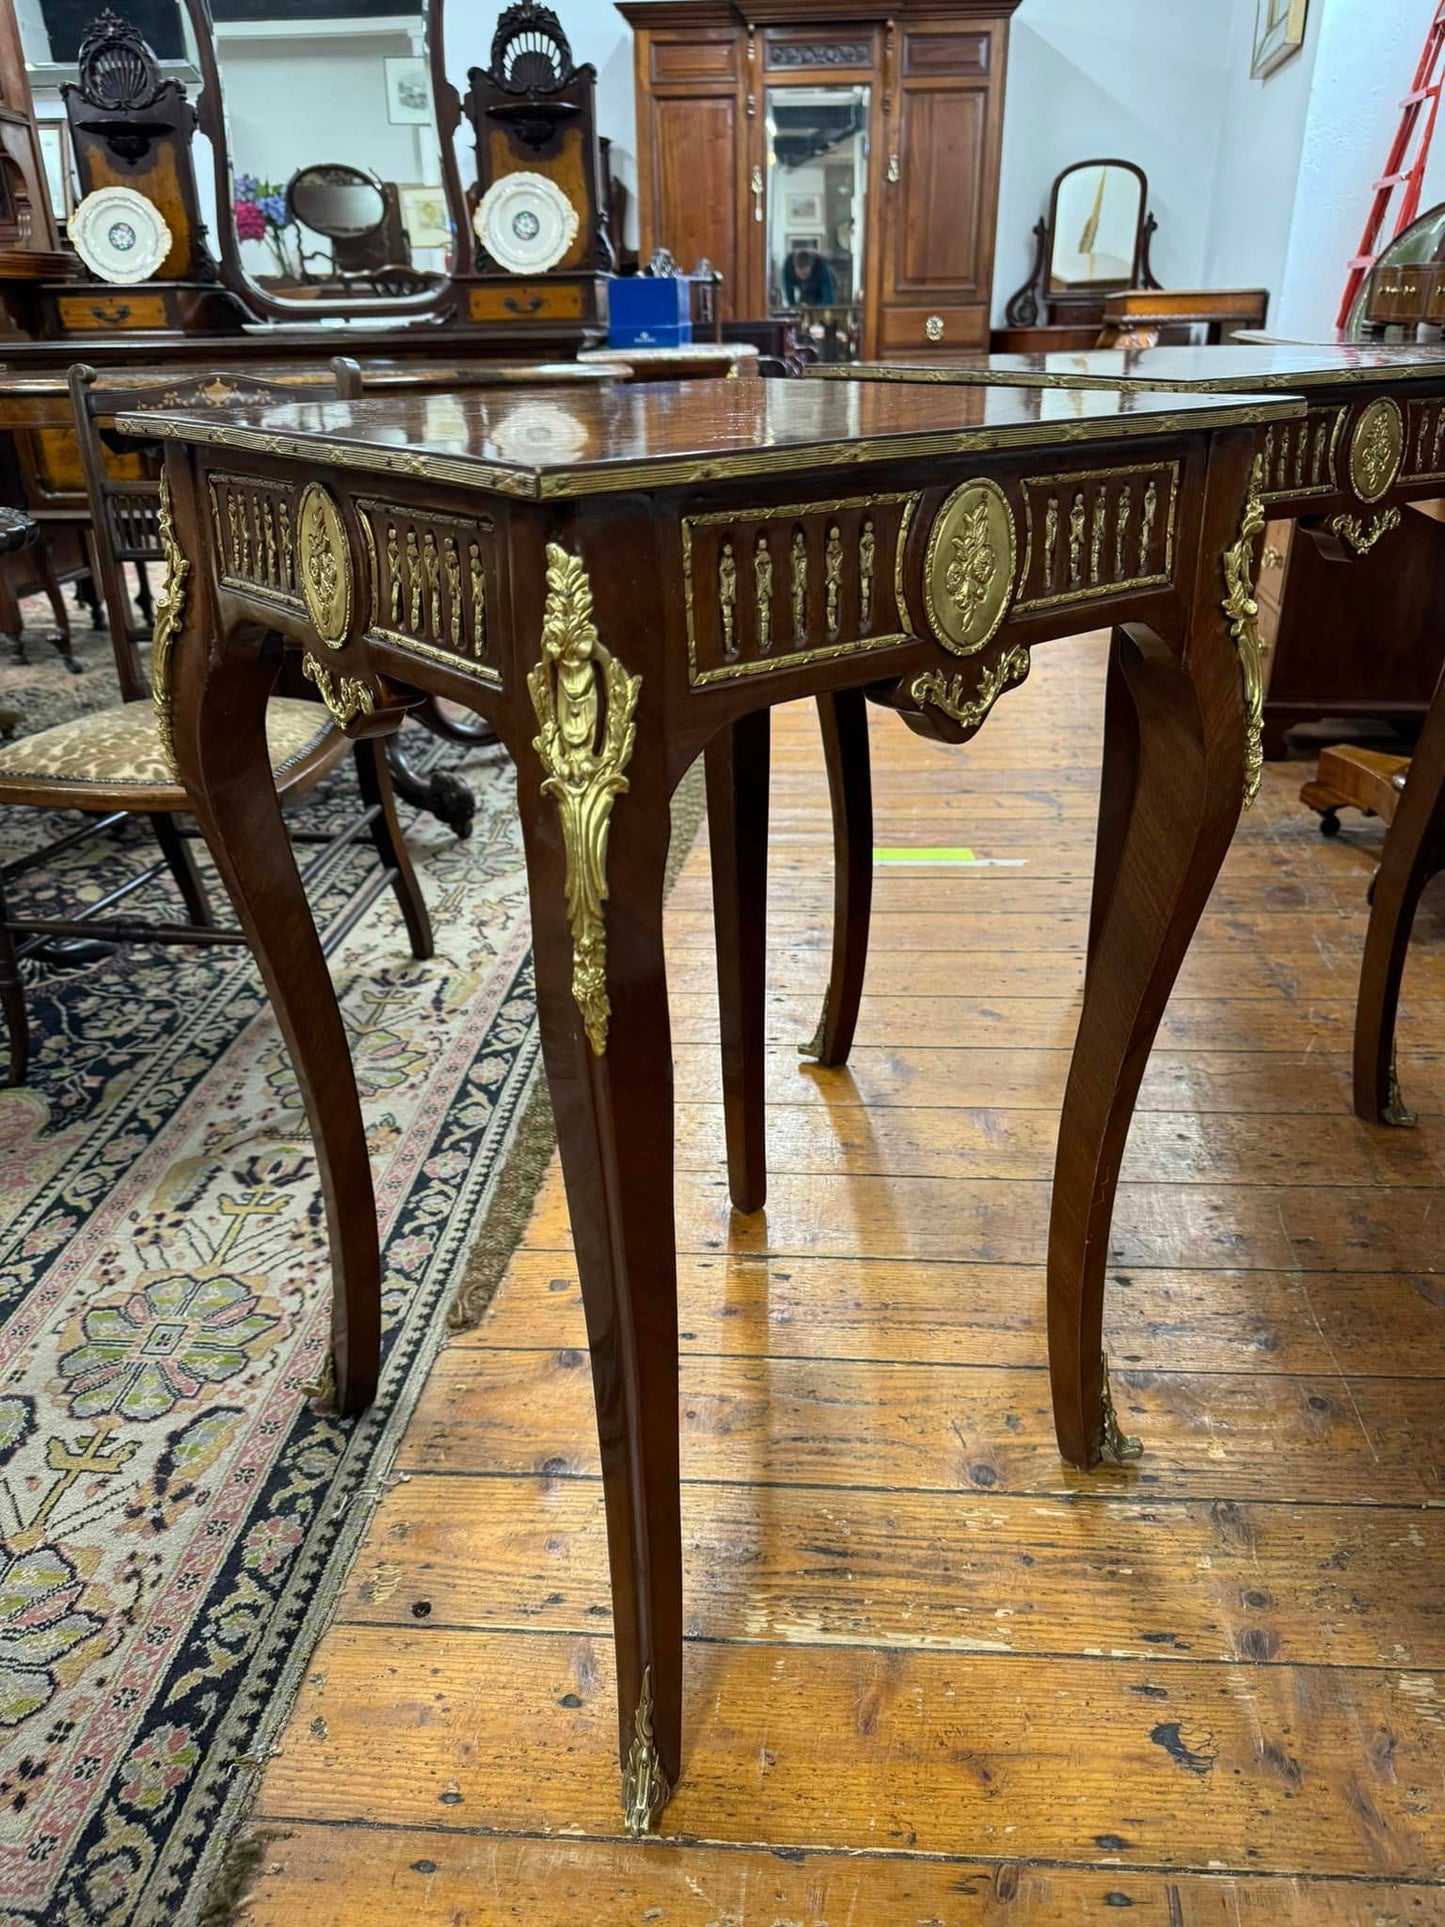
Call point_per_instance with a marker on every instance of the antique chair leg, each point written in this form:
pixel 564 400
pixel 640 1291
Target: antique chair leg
pixel 12 999
pixel 439 792
pixel 737 764
pixel 843 718
pixel 475 731
pixel 12 624
pixel 1183 776
pixel 611 1083
pixel 390 845
pixel 143 600
pixel 1116 789
pixel 50 583
pixel 218 730
pixel 1414 853
pixel 183 869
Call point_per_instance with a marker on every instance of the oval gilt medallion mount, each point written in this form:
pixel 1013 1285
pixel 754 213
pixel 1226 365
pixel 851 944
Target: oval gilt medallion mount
pixel 323 556
pixel 1376 449
pixel 968 574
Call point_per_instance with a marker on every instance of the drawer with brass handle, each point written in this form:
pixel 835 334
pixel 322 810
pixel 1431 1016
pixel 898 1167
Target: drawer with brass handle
pixel 934 328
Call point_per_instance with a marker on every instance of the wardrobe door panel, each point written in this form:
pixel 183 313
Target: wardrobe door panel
pixel 694 175
pixel 939 217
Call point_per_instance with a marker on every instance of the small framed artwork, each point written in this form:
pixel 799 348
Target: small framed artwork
pixel 805 210
pixel 812 241
pixel 408 91
pixel 424 214
pixel 1279 32
pixel 55 152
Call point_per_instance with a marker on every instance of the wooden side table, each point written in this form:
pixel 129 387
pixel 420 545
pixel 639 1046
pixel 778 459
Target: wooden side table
pixel 626 578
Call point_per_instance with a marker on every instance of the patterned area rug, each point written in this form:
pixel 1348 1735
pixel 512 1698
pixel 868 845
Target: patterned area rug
pixel 177 1512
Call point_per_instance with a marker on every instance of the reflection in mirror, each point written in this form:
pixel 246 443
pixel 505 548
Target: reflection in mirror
pixel 334 152
pixel 817 180
pixel 1098 210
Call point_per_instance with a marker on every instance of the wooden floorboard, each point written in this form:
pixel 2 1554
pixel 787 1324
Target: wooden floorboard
pixel 934 1678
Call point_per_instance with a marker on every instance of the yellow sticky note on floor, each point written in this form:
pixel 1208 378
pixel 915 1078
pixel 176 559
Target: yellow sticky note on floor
pixel 941 859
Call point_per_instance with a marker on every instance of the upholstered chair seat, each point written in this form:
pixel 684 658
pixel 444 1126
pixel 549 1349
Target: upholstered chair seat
pixel 114 759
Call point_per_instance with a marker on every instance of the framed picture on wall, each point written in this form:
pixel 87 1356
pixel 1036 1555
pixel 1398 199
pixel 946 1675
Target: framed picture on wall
pixel 424 215
pixel 805 210
pixel 408 92
pixel 1279 31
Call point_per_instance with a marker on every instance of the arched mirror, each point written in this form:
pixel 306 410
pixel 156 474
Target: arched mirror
pixel 327 154
pixel 1093 243
pixel 1096 227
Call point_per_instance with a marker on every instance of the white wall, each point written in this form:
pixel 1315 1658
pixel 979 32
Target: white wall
pixel 1255 183
pixel 1364 65
pixel 1262 129
pixel 1142 80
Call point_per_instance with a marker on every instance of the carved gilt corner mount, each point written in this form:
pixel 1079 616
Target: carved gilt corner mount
pixel 170 611
pixel 578 689
pixel 1241 611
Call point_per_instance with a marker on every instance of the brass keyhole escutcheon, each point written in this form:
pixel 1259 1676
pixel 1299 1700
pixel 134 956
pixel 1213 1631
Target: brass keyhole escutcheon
pixel 933 327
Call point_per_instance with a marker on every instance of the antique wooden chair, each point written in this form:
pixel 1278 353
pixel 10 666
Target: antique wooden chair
pixel 113 764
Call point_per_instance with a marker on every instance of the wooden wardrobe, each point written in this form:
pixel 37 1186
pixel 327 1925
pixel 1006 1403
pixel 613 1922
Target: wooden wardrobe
pixel 934 71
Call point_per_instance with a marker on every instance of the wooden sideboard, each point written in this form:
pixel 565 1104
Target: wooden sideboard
pixel 934 71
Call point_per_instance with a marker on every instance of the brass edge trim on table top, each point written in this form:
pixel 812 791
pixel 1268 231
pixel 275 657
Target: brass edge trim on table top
pixel 1092 592
pixel 932 690
pixel 1154 384
pixel 681 471
pixel 345 696
pixel 582 774
pixel 1241 612
pixel 170 609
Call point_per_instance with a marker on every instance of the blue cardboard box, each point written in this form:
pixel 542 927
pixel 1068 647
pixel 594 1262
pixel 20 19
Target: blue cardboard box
pixel 649 311
pixel 676 337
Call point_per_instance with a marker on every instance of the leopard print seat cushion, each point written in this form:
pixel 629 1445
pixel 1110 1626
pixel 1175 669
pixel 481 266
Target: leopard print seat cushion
pixel 120 749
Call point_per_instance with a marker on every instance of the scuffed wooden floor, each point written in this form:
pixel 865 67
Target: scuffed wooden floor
pixel 934 1677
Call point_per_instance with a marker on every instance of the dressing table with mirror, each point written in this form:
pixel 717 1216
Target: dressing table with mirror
pixel 1093 242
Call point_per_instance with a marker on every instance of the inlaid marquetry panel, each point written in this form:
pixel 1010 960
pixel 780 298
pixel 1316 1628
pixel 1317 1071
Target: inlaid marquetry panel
pixel 432 586
pixel 1424 452
pixel 783 586
pixel 255 531
pixel 1096 533
pixel 1299 457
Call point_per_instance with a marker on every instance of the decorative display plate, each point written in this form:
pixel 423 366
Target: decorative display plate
pixel 120 235
pixel 526 223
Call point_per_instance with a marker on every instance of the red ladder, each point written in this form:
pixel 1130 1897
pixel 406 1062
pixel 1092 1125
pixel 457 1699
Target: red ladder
pixel 1426 88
